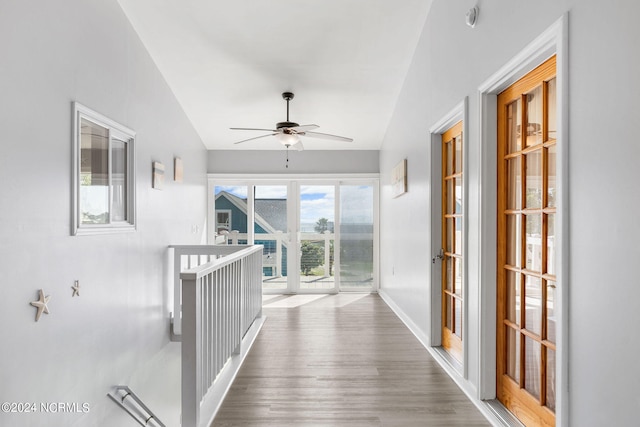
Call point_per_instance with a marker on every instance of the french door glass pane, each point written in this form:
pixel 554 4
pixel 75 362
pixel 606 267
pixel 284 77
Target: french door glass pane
pixel 449 161
pixel 533 304
pixel 317 235
pixel 551 379
pixel 514 142
pixel 533 242
pixel 457 199
pixel 534 117
pixel 513 296
pixel 270 230
pixel 551 109
pixel 458 317
pixel 551 244
pixel 551 183
pixel 458 142
pixel 513 354
pixel 458 276
pixel 551 311
pixel 356 237
pixel 514 239
pixel 449 273
pixel 534 180
pixel 514 195
pixel 532 366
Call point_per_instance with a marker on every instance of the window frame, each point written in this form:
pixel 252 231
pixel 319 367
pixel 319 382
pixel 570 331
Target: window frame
pixel 115 131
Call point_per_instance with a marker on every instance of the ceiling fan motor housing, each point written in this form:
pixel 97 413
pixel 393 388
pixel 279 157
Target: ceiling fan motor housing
pixel 286 126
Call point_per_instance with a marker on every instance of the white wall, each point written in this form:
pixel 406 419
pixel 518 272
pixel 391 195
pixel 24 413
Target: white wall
pixel 307 161
pixel 451 62
pixel 53 53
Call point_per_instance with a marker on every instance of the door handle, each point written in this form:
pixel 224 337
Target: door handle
pixel 439 255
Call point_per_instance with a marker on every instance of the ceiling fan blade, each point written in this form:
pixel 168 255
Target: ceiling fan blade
pixel 298 146
pixel 257 137
pixel 264 130
pixel 304 128
pixel 328 136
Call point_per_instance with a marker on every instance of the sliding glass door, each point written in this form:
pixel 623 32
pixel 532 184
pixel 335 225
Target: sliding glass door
pixel 318 236
pixel 357 242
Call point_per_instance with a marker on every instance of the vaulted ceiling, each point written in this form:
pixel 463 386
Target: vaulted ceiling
pixel 228 63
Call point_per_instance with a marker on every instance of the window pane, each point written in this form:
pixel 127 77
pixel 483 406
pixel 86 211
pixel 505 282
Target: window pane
pixel 448 320
pixel 532 367
pixel 119 180
pixel 512 358
pixel 534 117
pixel 534 179
pixel 514 143
pixel 317 228
pixel 534 242
pixel 94 173
pixel 514 184
pixel 533 304
pixel 514 240
pixel 270 230
pixel 513 296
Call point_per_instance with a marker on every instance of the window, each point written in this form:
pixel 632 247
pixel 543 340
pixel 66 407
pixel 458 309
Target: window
pixel 223 220
pixel 104 177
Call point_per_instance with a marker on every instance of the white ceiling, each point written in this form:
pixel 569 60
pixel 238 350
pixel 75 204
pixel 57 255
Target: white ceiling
pixel 228 63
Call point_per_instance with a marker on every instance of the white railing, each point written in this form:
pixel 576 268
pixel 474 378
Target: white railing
pixel 220 301
pixel 274 260
pixel 185 257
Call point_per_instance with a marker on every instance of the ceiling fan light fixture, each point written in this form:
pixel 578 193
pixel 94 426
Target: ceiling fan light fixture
pixel 288 139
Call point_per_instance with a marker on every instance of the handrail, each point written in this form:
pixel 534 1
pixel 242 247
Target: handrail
pixel 220 301
pixel 184 258
pixel 124 397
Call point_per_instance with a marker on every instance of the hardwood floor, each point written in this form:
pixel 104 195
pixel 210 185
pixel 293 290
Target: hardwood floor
pixel 341 360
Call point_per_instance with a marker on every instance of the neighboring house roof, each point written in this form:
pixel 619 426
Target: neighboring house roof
pixel 270 214
pixel 274 211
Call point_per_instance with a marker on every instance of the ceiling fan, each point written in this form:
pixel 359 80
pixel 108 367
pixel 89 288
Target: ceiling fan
pixel 289 133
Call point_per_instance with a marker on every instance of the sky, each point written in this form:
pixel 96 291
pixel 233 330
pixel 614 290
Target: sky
pixel 318 201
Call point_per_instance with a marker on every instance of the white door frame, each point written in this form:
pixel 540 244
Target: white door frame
pixel 457 114
pixel 552 41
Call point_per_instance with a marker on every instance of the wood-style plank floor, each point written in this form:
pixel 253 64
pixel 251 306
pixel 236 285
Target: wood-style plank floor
pixel 341 360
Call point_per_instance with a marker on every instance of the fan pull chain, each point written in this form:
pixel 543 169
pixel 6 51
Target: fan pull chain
pixel 287 164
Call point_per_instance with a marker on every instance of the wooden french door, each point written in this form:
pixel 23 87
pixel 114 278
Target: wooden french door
pixel 452 212
pixel 526 330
